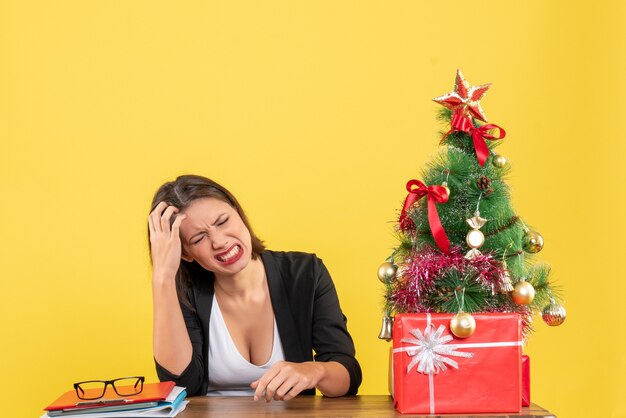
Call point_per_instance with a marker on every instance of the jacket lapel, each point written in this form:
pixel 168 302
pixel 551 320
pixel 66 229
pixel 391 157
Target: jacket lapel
pixel 282 311
pixel 204 303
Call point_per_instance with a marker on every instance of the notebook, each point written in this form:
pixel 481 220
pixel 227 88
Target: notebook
pixel 152 392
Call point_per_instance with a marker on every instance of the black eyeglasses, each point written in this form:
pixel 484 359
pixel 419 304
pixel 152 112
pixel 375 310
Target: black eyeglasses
pixel 95 389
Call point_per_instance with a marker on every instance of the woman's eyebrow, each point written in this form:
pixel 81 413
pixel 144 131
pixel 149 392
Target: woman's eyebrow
pixel 218 220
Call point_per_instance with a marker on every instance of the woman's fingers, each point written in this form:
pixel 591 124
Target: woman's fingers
pixel 151 227
pixel 165 245
pixel 176 225
pixel 165 218
pixel 295 391
pixel 272 387
pixel 262 383
pixel 155 216
pixel 159 218
pixel 289 386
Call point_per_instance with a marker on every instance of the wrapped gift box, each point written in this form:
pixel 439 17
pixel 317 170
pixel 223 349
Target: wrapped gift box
pixel 525 380
pixel 436 372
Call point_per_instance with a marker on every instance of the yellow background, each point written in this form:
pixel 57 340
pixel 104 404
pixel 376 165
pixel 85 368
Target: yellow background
pixel 315 114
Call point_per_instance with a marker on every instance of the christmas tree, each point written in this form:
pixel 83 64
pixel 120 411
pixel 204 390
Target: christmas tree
pixel 462 247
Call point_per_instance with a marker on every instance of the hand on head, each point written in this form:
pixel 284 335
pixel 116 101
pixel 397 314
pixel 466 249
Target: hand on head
pixel 165 245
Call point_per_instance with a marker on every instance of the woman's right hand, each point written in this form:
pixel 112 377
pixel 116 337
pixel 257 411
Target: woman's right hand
pixel 165 246
pixel 172 346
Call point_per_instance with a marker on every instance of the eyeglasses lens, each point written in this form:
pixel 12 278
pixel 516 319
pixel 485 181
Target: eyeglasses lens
pixel 128 386
pixel 91 390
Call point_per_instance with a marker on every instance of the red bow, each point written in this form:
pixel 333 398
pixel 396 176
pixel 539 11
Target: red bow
pixel 479 135
pixel 436 194
pixel 463 123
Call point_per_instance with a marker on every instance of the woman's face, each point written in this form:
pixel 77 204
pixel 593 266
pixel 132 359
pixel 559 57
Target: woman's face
pixel 214 235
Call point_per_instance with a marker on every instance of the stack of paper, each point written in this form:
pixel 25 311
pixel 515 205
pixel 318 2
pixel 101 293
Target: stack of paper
pixel 159 400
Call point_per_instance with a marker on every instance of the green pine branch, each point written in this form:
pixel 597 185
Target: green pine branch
pixel 458 291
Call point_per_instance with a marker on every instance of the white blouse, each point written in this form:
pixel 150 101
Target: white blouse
pixel 229 373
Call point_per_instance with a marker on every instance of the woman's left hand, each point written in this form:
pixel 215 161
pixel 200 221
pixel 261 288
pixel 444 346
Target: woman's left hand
pixel 285 380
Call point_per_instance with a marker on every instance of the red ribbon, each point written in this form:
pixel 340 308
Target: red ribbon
pixel 460 122
pixel 463 123
pixel 479 135
pixel 436 194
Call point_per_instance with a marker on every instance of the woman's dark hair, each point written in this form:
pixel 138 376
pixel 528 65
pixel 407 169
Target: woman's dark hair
pixel 181 193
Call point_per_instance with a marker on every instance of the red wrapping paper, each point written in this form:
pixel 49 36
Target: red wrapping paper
pixel 525 380
pixel 489 381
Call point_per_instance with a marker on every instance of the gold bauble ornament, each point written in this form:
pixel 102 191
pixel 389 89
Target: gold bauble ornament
pixel 498 161
pixel 553 314
pixel 532 241
pixel 523 293
pixel 463 325
pixel 387 271
pixel 400 277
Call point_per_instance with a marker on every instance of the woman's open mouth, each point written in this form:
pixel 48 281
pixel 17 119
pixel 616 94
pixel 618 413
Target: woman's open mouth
pixel 231 255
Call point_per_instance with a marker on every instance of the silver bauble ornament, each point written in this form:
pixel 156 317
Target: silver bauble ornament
pixel 553 314
pixel 532 241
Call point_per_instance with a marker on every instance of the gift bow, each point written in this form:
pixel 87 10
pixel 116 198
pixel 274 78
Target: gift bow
pixel 463 123
pixel 436 194
pixel 430 350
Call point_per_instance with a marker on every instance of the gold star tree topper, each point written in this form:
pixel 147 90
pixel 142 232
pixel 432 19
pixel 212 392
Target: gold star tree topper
pixel 464 100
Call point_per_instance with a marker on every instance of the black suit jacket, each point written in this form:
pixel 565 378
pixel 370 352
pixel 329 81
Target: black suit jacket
pixel 307 312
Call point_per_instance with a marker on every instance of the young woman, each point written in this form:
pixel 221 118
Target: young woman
pixel 232 318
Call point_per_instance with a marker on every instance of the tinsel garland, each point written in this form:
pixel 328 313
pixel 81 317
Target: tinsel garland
pixel 421 273
pixel 421 269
